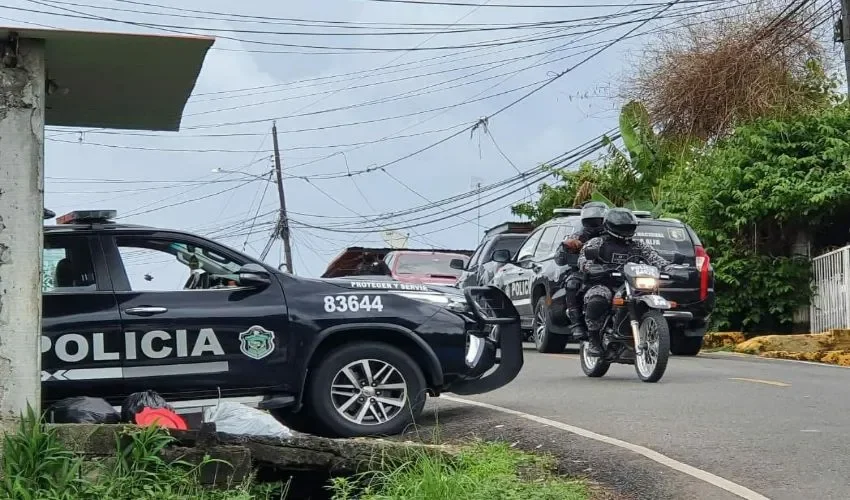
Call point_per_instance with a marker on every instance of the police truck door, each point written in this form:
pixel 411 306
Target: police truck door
pixel 516 275
pixel 191 328
pixel 81 341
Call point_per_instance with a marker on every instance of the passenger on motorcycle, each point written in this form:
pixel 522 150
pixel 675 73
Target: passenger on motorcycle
pixel 592 216
pixel 613 250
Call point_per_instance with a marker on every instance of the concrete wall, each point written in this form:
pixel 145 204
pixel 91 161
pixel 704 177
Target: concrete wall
pixel 22 94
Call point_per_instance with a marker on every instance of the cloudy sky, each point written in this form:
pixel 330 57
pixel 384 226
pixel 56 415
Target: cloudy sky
pixel 408 99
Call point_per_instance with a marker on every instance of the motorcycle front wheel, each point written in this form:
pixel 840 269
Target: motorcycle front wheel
pixel 652 362
pixel 592 366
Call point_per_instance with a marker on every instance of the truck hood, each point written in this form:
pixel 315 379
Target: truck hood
pixel 388 283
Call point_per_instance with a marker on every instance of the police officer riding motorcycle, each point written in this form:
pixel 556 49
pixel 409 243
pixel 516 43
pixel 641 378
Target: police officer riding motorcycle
pixel 624 312
pixel 614 250
pixel 592 217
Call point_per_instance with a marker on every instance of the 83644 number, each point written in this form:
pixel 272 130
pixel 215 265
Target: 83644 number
pixel 353 303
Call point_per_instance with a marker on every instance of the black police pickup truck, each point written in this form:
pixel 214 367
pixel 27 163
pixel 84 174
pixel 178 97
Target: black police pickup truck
pixel 481 267
pixel 356 356
pixel 532 280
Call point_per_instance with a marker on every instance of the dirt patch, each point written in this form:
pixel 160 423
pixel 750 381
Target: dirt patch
pixel 818 343
pixel 719 340
pixel 832 347
pixel 841 358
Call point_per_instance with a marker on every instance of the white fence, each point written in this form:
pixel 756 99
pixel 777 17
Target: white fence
pixel 831 279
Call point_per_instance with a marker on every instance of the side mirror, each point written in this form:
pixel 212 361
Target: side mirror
pixel 502 256
pixel 678 258
pixel 254 275
pixel 458 264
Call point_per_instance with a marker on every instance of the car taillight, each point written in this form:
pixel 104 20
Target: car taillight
pixel 702 262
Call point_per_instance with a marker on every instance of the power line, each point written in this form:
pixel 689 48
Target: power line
pixel 533 6
pixel 178 28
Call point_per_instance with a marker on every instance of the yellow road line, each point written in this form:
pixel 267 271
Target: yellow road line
pixel 759 381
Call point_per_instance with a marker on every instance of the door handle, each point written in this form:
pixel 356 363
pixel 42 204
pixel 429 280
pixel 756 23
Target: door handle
pixel 145 310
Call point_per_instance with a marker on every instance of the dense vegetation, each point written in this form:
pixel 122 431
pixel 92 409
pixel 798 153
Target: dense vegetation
pixel 764 187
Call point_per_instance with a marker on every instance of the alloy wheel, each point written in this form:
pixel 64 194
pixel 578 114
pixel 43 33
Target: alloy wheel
pixel 369 392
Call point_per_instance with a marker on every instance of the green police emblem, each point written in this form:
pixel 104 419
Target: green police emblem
pixel 256 342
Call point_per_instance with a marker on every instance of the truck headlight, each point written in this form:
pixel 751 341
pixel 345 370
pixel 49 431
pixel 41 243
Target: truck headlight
pixel 474 350
pixel 645 283
pixel 457 304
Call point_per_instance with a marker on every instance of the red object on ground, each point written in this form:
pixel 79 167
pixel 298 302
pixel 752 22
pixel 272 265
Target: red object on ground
pixel 162 417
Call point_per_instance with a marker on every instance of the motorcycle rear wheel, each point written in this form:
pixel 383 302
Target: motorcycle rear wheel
pixel 651 364
pixel 592 366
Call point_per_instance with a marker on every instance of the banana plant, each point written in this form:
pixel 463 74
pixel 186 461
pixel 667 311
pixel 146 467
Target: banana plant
pixel 637 169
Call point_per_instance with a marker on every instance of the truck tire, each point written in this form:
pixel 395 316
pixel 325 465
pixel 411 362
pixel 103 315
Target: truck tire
pixel 366 389
pixel 685 346
pixel 544 340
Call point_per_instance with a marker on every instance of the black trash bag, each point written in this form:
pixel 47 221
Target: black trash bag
pixel 82 410
pixel 138 401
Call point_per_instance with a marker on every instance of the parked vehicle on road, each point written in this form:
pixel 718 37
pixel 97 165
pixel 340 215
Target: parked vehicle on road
pixel 636 330
pixel 420 266
pixel 481 268
pixel 429 268
pixel 131 308
pixel 532 277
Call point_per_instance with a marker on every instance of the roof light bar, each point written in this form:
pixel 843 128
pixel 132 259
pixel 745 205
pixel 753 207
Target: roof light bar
pixel 87 216
pixel 567 211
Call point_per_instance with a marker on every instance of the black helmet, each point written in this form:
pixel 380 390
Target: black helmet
pixel 593 214
pixel 620 223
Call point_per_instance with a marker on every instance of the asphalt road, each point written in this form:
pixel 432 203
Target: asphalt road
pixel 779 428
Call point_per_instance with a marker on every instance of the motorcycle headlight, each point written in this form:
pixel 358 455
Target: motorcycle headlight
pixel 645 283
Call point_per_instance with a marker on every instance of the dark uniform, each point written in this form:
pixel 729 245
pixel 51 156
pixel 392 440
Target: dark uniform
pixel 592 217
pixel 575 280
pixel 613 250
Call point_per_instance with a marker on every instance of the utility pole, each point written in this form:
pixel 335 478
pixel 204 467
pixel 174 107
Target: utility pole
pixel 22 96
pixel 476 184
pixel 283 223
pixel 843 36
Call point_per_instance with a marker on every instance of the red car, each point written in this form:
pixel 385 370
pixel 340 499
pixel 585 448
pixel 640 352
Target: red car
pixel 429 268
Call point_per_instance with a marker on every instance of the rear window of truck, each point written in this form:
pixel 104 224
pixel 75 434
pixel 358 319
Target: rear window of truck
pixel 666 239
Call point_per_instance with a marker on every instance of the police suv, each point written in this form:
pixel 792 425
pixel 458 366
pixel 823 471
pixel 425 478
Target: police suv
pixel 129 308
pixel 534 281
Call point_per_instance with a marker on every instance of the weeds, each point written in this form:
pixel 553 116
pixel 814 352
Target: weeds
pixel 37 467
pixel 482 472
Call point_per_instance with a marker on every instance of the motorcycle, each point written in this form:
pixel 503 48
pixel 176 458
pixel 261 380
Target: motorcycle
pixel 635 330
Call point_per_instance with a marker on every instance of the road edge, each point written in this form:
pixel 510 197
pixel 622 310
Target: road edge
pixel 707 477
pixel 740 355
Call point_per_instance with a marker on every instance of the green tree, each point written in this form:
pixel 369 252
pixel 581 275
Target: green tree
pixel 752 197
pixel 627 176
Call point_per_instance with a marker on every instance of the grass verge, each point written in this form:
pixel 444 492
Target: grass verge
pixel 37 467
pixel 483 471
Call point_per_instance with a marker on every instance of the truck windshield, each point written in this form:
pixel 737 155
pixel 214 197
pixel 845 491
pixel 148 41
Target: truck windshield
pixel 428 264
pixel 510 244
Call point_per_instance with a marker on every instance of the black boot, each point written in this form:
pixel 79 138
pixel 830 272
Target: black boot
pixel 577 328
pixel 594 344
